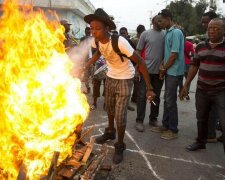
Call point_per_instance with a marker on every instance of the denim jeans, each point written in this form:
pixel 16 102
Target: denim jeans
pixel 141 98
pixel 170 114
pixel 205 101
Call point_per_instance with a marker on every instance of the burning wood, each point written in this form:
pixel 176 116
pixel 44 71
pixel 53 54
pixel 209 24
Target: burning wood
pixel 52 169
pixel 22 173
pixel 83 164
pixel 41 102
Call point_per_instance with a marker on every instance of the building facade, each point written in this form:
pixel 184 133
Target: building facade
pixel 72 10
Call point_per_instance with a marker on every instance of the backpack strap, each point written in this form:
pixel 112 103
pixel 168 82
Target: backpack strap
pixel 115 39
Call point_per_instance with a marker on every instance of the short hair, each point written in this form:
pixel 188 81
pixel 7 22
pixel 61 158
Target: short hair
pixel 166 13
pixel 210 14
pixel 123 28
pixel 140 28
pixel 219 19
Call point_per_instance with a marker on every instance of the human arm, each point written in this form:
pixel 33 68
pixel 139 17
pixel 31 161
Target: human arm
pixel 163 67
pixel 191 74
pixel 143 69
pixel 175 44
pixel 92 60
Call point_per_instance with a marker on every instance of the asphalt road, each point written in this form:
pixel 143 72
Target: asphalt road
pixel 149 157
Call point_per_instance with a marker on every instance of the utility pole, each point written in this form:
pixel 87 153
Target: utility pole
pixel 150 18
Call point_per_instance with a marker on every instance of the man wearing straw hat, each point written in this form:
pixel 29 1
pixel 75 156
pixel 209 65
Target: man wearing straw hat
pixel 119 80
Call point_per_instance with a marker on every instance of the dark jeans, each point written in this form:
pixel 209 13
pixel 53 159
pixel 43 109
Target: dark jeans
pixel 213 119
pixel 204 102
pixel 141 98
pixel 170 114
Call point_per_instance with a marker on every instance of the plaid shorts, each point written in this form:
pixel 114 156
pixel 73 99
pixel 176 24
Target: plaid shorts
pixel 117 96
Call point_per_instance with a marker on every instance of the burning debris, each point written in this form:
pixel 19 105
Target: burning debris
pixel 41 104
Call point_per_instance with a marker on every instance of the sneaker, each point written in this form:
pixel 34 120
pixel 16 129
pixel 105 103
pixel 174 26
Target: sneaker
pixel 139 127
pixel 169 135
pixel 159 129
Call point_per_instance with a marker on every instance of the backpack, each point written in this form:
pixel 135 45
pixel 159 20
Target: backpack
pixel 114 41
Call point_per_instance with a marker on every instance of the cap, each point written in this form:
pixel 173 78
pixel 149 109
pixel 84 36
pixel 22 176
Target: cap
pixel 64 22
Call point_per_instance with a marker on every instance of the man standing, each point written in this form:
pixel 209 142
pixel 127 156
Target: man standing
pixel 209 59
pixel 213 119
pixel 153 43
pixel 206 18
pixel 173 70
pixel 140 29
pixel 119 80
pixel 69 41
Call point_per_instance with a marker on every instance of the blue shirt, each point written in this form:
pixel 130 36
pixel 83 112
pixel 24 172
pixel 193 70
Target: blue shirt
pixel 174 42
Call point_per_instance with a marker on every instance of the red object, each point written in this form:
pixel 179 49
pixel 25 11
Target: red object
pixel 143 53
pixel 188 52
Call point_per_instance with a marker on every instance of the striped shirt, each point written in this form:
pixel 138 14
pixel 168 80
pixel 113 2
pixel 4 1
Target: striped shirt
pixel 211 62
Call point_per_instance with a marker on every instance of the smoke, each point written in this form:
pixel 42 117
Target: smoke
pixel 80 54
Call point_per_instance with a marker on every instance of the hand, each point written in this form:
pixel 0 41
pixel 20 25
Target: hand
pixel 162 72
pixel 183 93
pixel 150 95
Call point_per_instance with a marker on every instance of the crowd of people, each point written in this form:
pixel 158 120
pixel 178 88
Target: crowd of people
pixel 138 67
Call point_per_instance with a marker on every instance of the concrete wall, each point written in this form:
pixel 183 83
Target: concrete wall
pixel 72 10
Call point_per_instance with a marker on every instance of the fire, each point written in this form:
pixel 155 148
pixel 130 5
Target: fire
pixel 41 103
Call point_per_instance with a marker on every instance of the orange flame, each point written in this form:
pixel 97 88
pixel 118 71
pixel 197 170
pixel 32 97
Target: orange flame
pixel 41 104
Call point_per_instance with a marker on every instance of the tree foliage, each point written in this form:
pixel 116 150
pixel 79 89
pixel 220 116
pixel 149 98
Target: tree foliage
pixel 188 13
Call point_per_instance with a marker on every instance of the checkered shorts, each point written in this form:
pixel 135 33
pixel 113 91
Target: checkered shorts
pixel 117 96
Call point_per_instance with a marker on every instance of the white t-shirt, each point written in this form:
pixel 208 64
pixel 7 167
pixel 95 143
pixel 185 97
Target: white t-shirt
pixel 117 69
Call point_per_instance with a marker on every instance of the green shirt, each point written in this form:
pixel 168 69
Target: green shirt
pixel 174 42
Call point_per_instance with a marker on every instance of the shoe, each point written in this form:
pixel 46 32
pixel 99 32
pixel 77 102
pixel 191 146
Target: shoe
pixel 118 154
pixel 212 140
pixel 169 135
pixel 195 146
pixel 130 108
pixel 108 135
pixel 139 127
pixel 188 97
pixel 153 123
pixel 159 129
